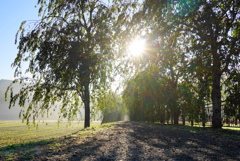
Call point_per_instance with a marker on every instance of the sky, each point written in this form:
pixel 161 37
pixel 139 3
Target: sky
pixel 12 13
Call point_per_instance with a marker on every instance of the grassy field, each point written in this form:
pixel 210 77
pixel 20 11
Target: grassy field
pixel 22 143
pixel 16 132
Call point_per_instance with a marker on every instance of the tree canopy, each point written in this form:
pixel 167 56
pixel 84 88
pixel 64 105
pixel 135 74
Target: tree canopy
pixel 195 45
pixel 190 59
pixel 70 51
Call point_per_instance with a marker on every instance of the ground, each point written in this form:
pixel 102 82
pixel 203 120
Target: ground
pixel 140 141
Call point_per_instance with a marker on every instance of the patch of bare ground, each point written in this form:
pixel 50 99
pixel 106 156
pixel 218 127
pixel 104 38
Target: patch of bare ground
pixel 137 141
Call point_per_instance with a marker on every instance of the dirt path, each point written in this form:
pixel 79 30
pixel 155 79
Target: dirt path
pixel 136 141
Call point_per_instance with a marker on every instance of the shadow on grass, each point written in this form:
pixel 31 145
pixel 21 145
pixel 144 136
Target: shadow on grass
pixel 32 150
pixel 160 142
pixel 225 133
pixel 189 143
pixel 27 150
pixel 138 141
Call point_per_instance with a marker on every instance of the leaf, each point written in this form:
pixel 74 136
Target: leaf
pixel 22 24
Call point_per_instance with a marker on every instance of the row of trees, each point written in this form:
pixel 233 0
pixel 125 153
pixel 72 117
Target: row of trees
pixel 192 48
pixel 191 57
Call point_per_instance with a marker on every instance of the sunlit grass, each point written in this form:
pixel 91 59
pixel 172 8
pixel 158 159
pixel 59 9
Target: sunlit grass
pixel 232 128
pixel 16 132
pixel 225 132
pixel 209 124
pixel 27 150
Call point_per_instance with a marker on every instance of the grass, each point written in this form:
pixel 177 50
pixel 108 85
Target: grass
pixel 22 142
pixel 16 132
pixel 225 132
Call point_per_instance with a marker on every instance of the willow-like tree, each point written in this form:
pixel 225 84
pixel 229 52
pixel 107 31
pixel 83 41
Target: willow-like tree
pixel 111 106
pixel 142 96
pixel 70 54
pixel 164 46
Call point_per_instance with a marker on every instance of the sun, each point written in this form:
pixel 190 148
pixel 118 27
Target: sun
pixel 136 47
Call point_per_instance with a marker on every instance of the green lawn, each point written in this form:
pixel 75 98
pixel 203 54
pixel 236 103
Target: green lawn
pixel 16 132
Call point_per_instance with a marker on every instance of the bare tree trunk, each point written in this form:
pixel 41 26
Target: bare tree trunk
pixel 87 106
pixel 176 116
pixel 183 120
pixel 203 115
pixel 216 100
pixel 216 76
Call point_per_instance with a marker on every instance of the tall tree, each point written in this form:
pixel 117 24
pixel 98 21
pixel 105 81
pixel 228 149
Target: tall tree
pixel 213 33
pixel 70 51
pixel 111 106
pixel 165 47
pixel 142 96
pixel 232 102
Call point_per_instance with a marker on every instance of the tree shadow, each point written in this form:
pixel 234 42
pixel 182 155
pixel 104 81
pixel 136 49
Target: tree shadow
pixel 23 151
pixel 134 141
pixel 185 145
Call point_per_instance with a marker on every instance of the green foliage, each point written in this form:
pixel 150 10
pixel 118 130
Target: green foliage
pixel 70 52
pixel 213 46
pixel 190 47
pixel 191 44
pixel 232 102
pixel 111 107
pixel 143 95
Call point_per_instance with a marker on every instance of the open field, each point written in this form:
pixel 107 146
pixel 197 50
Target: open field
pixel 16 132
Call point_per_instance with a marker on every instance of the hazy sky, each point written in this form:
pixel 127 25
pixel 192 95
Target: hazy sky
pixel 12 13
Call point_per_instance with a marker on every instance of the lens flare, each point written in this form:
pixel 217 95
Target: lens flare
pixel 136 47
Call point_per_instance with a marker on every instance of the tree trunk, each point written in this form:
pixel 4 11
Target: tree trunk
pixel 216 81
pixel 203 115
pixel 191 122
pixel 216 100
pixel 183 120
pixel 176 116
pixel 87 106
pixel 168 117
pixel 203 110
pixel 176 112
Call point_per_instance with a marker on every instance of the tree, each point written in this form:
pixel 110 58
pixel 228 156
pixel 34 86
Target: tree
pixel 181 33
pixel 165 47
pixel 111 106
pixel 213 31
pixel 147 96
pixel 70 51
pixel 232 102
